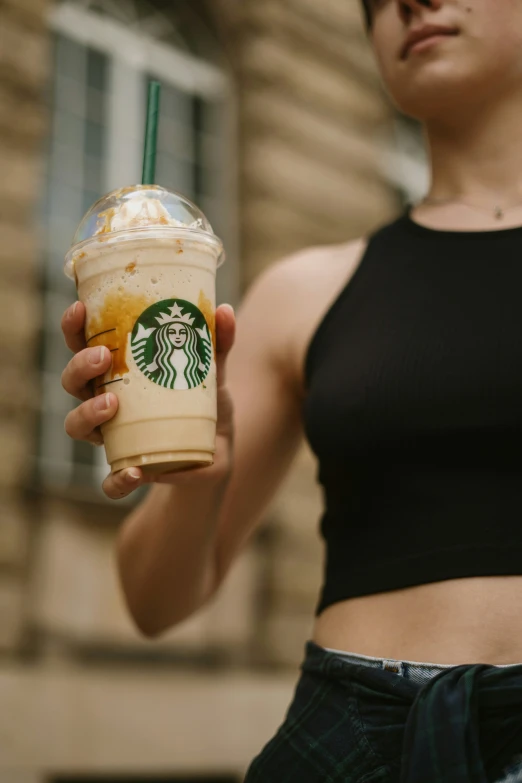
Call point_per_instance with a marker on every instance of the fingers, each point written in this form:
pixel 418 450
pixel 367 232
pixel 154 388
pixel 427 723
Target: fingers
pixel 118 485
pixel 84 421
pixel 226 332
pixel 73 325
pixel 83 368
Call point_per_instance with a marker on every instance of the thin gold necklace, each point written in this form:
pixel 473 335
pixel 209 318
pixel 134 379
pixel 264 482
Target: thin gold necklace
pixel 498 212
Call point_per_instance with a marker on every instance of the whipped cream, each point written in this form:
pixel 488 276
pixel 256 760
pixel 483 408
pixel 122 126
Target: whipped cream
pixel 138 213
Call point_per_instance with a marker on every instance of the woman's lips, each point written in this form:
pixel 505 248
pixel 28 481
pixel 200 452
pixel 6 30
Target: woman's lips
pixel 425 37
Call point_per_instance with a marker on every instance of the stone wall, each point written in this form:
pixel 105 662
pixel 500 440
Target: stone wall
pixel 23 73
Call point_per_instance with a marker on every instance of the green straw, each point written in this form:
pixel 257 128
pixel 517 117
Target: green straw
pixel 151 134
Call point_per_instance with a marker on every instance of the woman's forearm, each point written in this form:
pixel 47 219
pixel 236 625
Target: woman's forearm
pixel 166 553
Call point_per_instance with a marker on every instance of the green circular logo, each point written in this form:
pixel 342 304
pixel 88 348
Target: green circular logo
pixel 171 344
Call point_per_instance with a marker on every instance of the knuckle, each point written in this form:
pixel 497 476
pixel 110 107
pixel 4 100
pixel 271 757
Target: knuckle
pixel 69 425
pixel 81 364
pixel 78 423
pixel 68 376
pixel 77 375
pixel 85 415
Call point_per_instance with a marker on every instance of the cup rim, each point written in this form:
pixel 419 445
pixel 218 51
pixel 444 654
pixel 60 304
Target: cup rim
pixel 155 232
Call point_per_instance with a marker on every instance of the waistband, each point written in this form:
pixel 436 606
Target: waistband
pixel 416 671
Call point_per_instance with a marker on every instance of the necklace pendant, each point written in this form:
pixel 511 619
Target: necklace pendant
pixel 499 213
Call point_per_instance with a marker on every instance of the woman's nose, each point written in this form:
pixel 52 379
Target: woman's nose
pixel 416 5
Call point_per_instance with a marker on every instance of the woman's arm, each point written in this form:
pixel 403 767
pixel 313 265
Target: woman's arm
pixel 175 549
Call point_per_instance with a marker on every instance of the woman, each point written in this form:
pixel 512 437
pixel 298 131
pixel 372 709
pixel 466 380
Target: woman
pixel 401 358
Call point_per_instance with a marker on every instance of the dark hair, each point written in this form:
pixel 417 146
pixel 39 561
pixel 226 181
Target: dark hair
pixel 367 13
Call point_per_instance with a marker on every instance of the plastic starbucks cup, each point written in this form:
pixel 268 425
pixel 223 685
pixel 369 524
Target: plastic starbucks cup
pixel 144 260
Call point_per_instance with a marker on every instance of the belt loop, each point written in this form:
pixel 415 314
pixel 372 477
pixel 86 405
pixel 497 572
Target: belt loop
pixel 393 666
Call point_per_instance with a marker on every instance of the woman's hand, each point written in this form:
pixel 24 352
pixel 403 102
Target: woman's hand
pixel 84 422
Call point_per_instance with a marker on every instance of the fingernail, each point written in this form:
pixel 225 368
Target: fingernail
pixel 72 310
pixel 103 402
pixel 97 357
pixel 133 475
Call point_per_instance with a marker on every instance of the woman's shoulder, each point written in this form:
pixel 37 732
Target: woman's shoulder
pixel 293 295
pixel 319 266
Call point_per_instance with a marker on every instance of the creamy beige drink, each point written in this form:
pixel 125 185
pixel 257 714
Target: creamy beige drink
pixel 144 261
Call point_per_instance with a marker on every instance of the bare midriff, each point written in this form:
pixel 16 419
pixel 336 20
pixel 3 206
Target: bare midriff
pixel 459 621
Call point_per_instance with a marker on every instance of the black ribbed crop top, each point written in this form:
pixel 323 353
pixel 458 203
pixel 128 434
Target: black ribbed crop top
pixel 414 410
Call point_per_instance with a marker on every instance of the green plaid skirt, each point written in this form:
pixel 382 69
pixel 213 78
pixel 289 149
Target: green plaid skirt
pixel 364 720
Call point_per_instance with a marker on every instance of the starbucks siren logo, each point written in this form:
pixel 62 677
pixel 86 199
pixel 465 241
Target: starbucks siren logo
pixel 171 344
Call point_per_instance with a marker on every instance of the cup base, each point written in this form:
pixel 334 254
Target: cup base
pixel 165 462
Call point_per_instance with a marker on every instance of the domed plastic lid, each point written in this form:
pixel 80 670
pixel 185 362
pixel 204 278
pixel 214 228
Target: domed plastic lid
pixel 140 208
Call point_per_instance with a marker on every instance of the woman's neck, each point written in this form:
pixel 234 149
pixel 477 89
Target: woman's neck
pixel 480 160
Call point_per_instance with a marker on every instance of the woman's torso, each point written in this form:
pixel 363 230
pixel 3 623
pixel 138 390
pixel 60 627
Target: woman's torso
pixel 462 620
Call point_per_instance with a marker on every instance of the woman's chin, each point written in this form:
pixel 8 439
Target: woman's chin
pixel 446 87
pixel 436 95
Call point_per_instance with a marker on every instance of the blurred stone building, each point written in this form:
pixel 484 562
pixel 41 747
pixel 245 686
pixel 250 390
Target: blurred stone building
pixel 273 120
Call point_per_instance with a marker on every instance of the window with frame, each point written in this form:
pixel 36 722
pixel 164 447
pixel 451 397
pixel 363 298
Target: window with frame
pixel 102 64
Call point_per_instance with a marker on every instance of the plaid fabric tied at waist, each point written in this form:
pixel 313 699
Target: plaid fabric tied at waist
pixel 462 726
